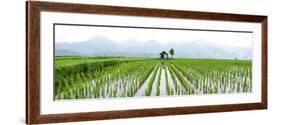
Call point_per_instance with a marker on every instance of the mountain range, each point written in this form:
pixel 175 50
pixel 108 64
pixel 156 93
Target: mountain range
pixel 103 46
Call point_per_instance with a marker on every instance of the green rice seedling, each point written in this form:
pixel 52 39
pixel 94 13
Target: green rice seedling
pixel 168 88
pixel 190 88
pixel 224 74
pixel 151 81
pixel 158 82
pixel 102 77
pixel 178 89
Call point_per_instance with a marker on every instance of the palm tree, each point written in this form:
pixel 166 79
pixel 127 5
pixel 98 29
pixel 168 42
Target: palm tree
pixel 172 52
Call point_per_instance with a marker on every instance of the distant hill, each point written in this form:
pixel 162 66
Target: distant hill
pixel 102 46
pixel 65 52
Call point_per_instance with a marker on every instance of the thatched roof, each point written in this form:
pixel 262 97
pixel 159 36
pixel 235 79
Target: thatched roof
pixel 163 53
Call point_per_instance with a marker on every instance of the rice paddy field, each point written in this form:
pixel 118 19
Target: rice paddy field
pixel 78 77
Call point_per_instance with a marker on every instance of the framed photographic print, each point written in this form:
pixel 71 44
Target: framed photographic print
pixel 93 62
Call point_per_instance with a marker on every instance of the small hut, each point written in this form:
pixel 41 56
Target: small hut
pixel 163 54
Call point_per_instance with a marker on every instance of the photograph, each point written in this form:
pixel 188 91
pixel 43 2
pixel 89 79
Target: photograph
pixel 110 61
pixel 98 62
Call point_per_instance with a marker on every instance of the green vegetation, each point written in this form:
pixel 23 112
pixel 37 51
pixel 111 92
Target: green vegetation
pixel 151 81
pixel 172 52
pixel 78 77
pixel 110 78
pixel 159 82
pixel 216 76
pixel 168 87
pixel 64 61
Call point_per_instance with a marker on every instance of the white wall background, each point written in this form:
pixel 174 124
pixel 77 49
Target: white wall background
pixel 12 67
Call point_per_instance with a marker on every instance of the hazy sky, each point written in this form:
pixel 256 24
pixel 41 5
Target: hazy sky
pixel 82 33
